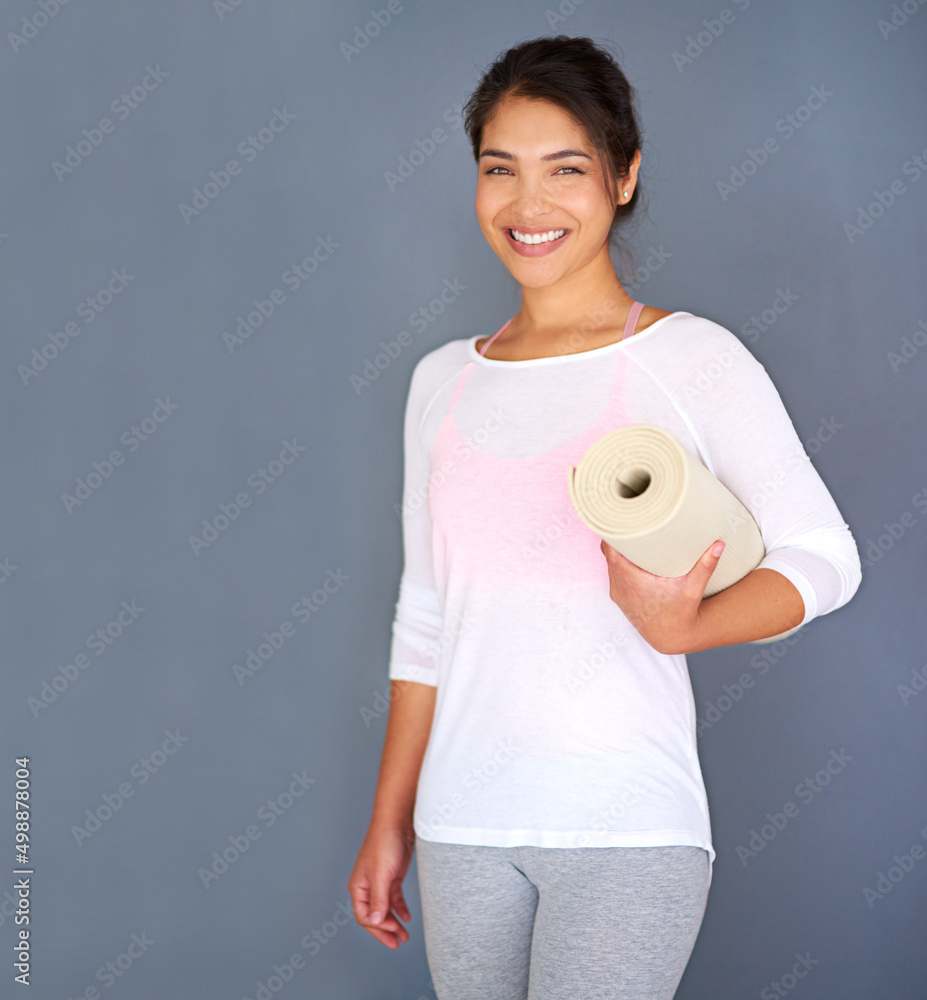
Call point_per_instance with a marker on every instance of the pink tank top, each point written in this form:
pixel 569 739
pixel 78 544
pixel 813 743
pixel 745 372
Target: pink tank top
pixel 495 508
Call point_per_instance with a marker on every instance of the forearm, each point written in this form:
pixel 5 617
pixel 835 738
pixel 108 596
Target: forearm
pixel 762 604
pixel 408 727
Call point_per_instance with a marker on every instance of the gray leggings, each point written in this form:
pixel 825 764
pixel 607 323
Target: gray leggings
pixel 560 923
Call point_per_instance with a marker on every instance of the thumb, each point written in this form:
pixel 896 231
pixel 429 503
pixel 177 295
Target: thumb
pixel 709 559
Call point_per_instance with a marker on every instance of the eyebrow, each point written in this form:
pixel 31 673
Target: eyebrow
pixel 561 155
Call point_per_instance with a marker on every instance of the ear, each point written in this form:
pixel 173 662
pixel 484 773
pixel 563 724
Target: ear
pixel 630 182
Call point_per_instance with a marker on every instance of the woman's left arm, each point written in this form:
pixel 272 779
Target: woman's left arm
pixel 747 440
pixel 671 614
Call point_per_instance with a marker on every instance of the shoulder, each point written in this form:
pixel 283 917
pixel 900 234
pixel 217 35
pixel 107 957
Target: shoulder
pixel 437 367
pixel 694 358
pixel 650 315
pixel 682 338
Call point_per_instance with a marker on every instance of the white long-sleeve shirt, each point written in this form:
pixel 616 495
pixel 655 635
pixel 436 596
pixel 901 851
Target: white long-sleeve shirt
pixel 556 724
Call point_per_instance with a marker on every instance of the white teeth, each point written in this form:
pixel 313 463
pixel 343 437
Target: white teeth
pixel 553 234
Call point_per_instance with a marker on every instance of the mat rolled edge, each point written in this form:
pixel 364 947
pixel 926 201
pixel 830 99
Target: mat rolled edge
pixel 667 531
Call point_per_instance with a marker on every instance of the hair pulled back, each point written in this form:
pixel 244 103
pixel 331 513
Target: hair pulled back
pixel 584 80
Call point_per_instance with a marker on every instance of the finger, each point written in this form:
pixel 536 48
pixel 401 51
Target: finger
pixel 391 928
pixel 715 550
pixel 360 899
pixel 709 560
pixel 613 556
pixel 401 933
pixel 612 553
pixel 388 939
pixel 399 904
pixel 378 910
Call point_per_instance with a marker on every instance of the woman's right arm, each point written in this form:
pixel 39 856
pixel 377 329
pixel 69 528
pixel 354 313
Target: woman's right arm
pixel 376 880
pixel 375 884
pixel 411 711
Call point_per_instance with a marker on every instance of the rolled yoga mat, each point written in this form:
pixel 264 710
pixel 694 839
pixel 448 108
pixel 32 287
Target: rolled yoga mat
pixel 652 500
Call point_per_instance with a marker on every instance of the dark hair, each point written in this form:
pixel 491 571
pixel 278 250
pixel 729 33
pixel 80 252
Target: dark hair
pixel 584 80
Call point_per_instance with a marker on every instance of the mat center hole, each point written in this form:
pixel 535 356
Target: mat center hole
pixel 633 482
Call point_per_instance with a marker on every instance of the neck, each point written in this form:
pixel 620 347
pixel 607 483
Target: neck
pixel 590 299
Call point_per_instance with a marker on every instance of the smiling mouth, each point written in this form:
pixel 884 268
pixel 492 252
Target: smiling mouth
pixel 533 239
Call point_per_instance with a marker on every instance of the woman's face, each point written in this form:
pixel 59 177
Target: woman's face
pixel 539 175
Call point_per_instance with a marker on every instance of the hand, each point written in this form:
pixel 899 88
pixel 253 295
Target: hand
pixel 375 884
pixel 664 609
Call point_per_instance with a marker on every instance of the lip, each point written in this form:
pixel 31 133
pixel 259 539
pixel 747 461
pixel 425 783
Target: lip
pixel 535 249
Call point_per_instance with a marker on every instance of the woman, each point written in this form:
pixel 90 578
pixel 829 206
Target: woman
pixel 540 755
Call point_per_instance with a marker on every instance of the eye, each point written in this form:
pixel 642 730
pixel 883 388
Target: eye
pixel 492 170
pixel 575 170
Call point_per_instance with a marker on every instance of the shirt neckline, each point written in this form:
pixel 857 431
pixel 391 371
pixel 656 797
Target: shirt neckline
pixel 594 352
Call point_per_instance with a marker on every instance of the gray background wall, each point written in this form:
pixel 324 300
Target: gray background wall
pixel 849 356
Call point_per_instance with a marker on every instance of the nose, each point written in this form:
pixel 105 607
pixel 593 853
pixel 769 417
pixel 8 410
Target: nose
pixel 531 196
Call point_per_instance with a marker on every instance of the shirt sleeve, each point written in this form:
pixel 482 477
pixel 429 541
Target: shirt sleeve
pixel 748 442
pixel 418 620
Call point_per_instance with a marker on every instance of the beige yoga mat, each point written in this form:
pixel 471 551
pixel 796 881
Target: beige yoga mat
pixel 654 501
